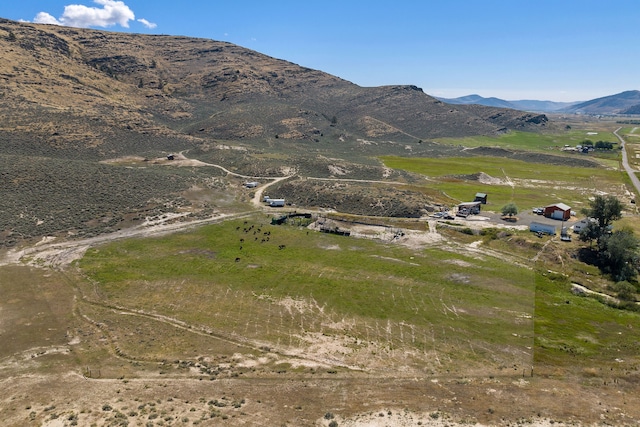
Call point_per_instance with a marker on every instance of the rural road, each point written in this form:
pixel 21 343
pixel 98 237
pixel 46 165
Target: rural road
pixel 625 163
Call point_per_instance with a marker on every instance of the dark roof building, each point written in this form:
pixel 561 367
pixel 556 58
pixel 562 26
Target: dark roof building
pixel 481 197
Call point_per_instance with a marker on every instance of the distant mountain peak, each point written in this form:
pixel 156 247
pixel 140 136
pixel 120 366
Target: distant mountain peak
pixel 619 103
pixel 627 102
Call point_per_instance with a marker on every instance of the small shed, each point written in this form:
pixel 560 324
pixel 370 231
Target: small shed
pixel 252 184
pixel 481 197
pixel 538 227
pixel 558 211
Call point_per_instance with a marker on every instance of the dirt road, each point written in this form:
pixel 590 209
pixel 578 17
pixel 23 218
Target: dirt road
pixel 625 163
pixel 52 254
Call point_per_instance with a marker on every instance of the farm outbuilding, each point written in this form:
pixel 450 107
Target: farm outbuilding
pixel 538 227
pixel 481 197
pixel 558 211
pixel 468 208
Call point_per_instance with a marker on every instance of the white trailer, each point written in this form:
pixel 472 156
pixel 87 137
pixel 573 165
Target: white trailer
pixel 582 224
pixel 538 227
pixel 276 203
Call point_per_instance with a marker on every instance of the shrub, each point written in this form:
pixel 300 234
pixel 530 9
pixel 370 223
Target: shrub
pixel 625 290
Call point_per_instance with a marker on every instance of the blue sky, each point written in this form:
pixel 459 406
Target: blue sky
pixel 560 50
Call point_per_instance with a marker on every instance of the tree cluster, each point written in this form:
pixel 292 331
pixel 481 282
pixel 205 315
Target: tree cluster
pixel 617 251
pixel 599 145
pixel 604 145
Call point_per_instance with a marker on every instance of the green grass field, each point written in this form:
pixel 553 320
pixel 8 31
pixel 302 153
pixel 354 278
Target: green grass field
pixel 571 330
pixel 534 184
pixel 466 311
pixel 533 141
pixel 426 301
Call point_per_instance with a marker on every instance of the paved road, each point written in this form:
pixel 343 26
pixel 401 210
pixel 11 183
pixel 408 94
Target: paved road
pixel 625 163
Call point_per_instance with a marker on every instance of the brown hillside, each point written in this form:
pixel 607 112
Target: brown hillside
pixel 80 87
pixel 72 97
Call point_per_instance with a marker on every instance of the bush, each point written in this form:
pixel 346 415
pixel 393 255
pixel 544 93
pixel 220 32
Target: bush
pixel 624 290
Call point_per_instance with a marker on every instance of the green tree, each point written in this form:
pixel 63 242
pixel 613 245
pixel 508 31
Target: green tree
pixel 618 253
pixel 590 232
pixel 510 209
pixel 604 145
pixel 605 210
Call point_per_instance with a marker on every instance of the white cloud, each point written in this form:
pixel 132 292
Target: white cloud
pixel 147 23
pixel 45 18
pixel 111 13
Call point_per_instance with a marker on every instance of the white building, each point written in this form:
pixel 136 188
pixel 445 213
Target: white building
pixel 580 225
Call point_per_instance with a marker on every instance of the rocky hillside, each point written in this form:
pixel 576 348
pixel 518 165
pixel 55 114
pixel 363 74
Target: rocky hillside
pixel 73 88
pixel 73 100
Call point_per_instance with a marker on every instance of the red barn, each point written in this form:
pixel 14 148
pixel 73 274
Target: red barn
pixel 558 211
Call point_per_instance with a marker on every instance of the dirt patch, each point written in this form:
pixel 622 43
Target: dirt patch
pixel 460 278
pixel 201 252
pixel 484 178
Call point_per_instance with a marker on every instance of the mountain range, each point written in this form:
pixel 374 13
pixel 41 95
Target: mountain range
pixel 78 88
pixel 627 102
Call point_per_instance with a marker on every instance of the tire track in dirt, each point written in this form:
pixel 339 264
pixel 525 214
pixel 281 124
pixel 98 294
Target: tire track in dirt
pixel 57 255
